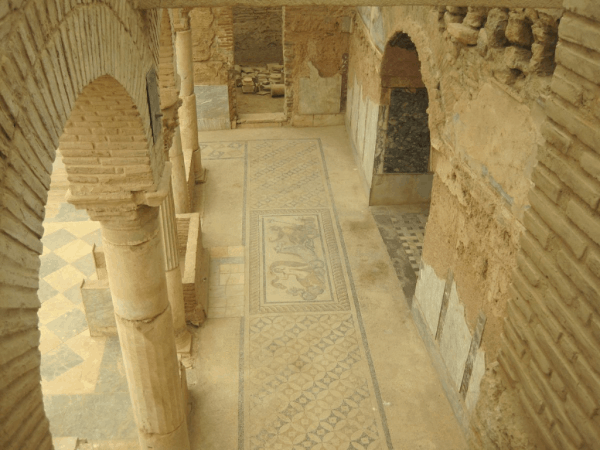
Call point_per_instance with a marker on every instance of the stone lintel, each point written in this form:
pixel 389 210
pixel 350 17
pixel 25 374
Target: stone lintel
pixel 149 4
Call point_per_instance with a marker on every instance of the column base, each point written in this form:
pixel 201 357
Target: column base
pixel 176 440
pixel 200 176
pixel 183 341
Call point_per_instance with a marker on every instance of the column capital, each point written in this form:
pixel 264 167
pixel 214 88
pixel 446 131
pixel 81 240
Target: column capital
pixel 122 206
pixel 181 19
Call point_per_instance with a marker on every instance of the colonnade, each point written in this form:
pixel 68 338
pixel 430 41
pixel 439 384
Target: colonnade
pixel 144 274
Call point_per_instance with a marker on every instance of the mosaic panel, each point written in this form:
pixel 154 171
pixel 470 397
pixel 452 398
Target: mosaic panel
pixel 411 232
pixel 295 263
pixel 308 385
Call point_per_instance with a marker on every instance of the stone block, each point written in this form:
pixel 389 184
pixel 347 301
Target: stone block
pixel 303 120
pixel 463 33
pixel 99 312
pixel 319 95
pixel 401 188
pixel 475 17
pixel 495 27
pixel 193 261
pixel 518 30
pixel 517 58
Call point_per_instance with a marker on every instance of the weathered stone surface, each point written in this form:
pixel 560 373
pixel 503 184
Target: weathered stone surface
pixel 463 33
pixel 518 30
pixel 476 17
pixel 320 95
pixel 517 58
pixel 99 310
pixel 495 27
pixel 150 4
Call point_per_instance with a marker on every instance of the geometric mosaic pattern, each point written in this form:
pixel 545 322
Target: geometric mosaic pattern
pixel 307 382
pixel 285 174
pixel 411 232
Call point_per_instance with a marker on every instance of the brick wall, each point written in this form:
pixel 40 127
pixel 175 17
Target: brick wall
pixel 49 51
pixel 551 341
pixel 484 69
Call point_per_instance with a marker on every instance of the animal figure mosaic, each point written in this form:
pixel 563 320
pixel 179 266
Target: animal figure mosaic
pixel 308 271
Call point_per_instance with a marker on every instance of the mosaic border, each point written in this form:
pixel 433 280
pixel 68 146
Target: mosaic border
pixel 333 250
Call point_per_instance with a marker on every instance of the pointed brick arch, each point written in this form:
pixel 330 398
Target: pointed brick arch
pixel 104 144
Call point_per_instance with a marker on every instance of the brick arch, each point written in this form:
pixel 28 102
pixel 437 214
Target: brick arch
pixel 400 76
pixel 104 144
pixel 53 58
pixel 429 73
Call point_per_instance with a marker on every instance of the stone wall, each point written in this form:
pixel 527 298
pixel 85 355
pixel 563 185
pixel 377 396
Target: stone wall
pixel 212 44
pixel 489 78
pixel 49 52
pixel 258 35
pixel 213 48
pixel 315 52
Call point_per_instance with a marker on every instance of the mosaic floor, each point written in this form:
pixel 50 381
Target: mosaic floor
pixel 403 231
pixel 307 344
pixel 309 384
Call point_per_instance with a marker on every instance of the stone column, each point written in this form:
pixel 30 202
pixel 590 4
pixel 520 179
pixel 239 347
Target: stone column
pixel 178 176
pixel 135 265
pixel 183 338
pixel 187 112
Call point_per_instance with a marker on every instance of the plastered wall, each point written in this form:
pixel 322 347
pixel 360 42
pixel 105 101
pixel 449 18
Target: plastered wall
pixel 315 52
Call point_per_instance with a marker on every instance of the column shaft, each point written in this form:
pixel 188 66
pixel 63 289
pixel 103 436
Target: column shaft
pixel 188 118
pixel 135 266
pixel 168 221
pixel 178 177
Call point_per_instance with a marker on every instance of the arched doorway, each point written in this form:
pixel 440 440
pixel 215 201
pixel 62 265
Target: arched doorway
pixel 402 176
